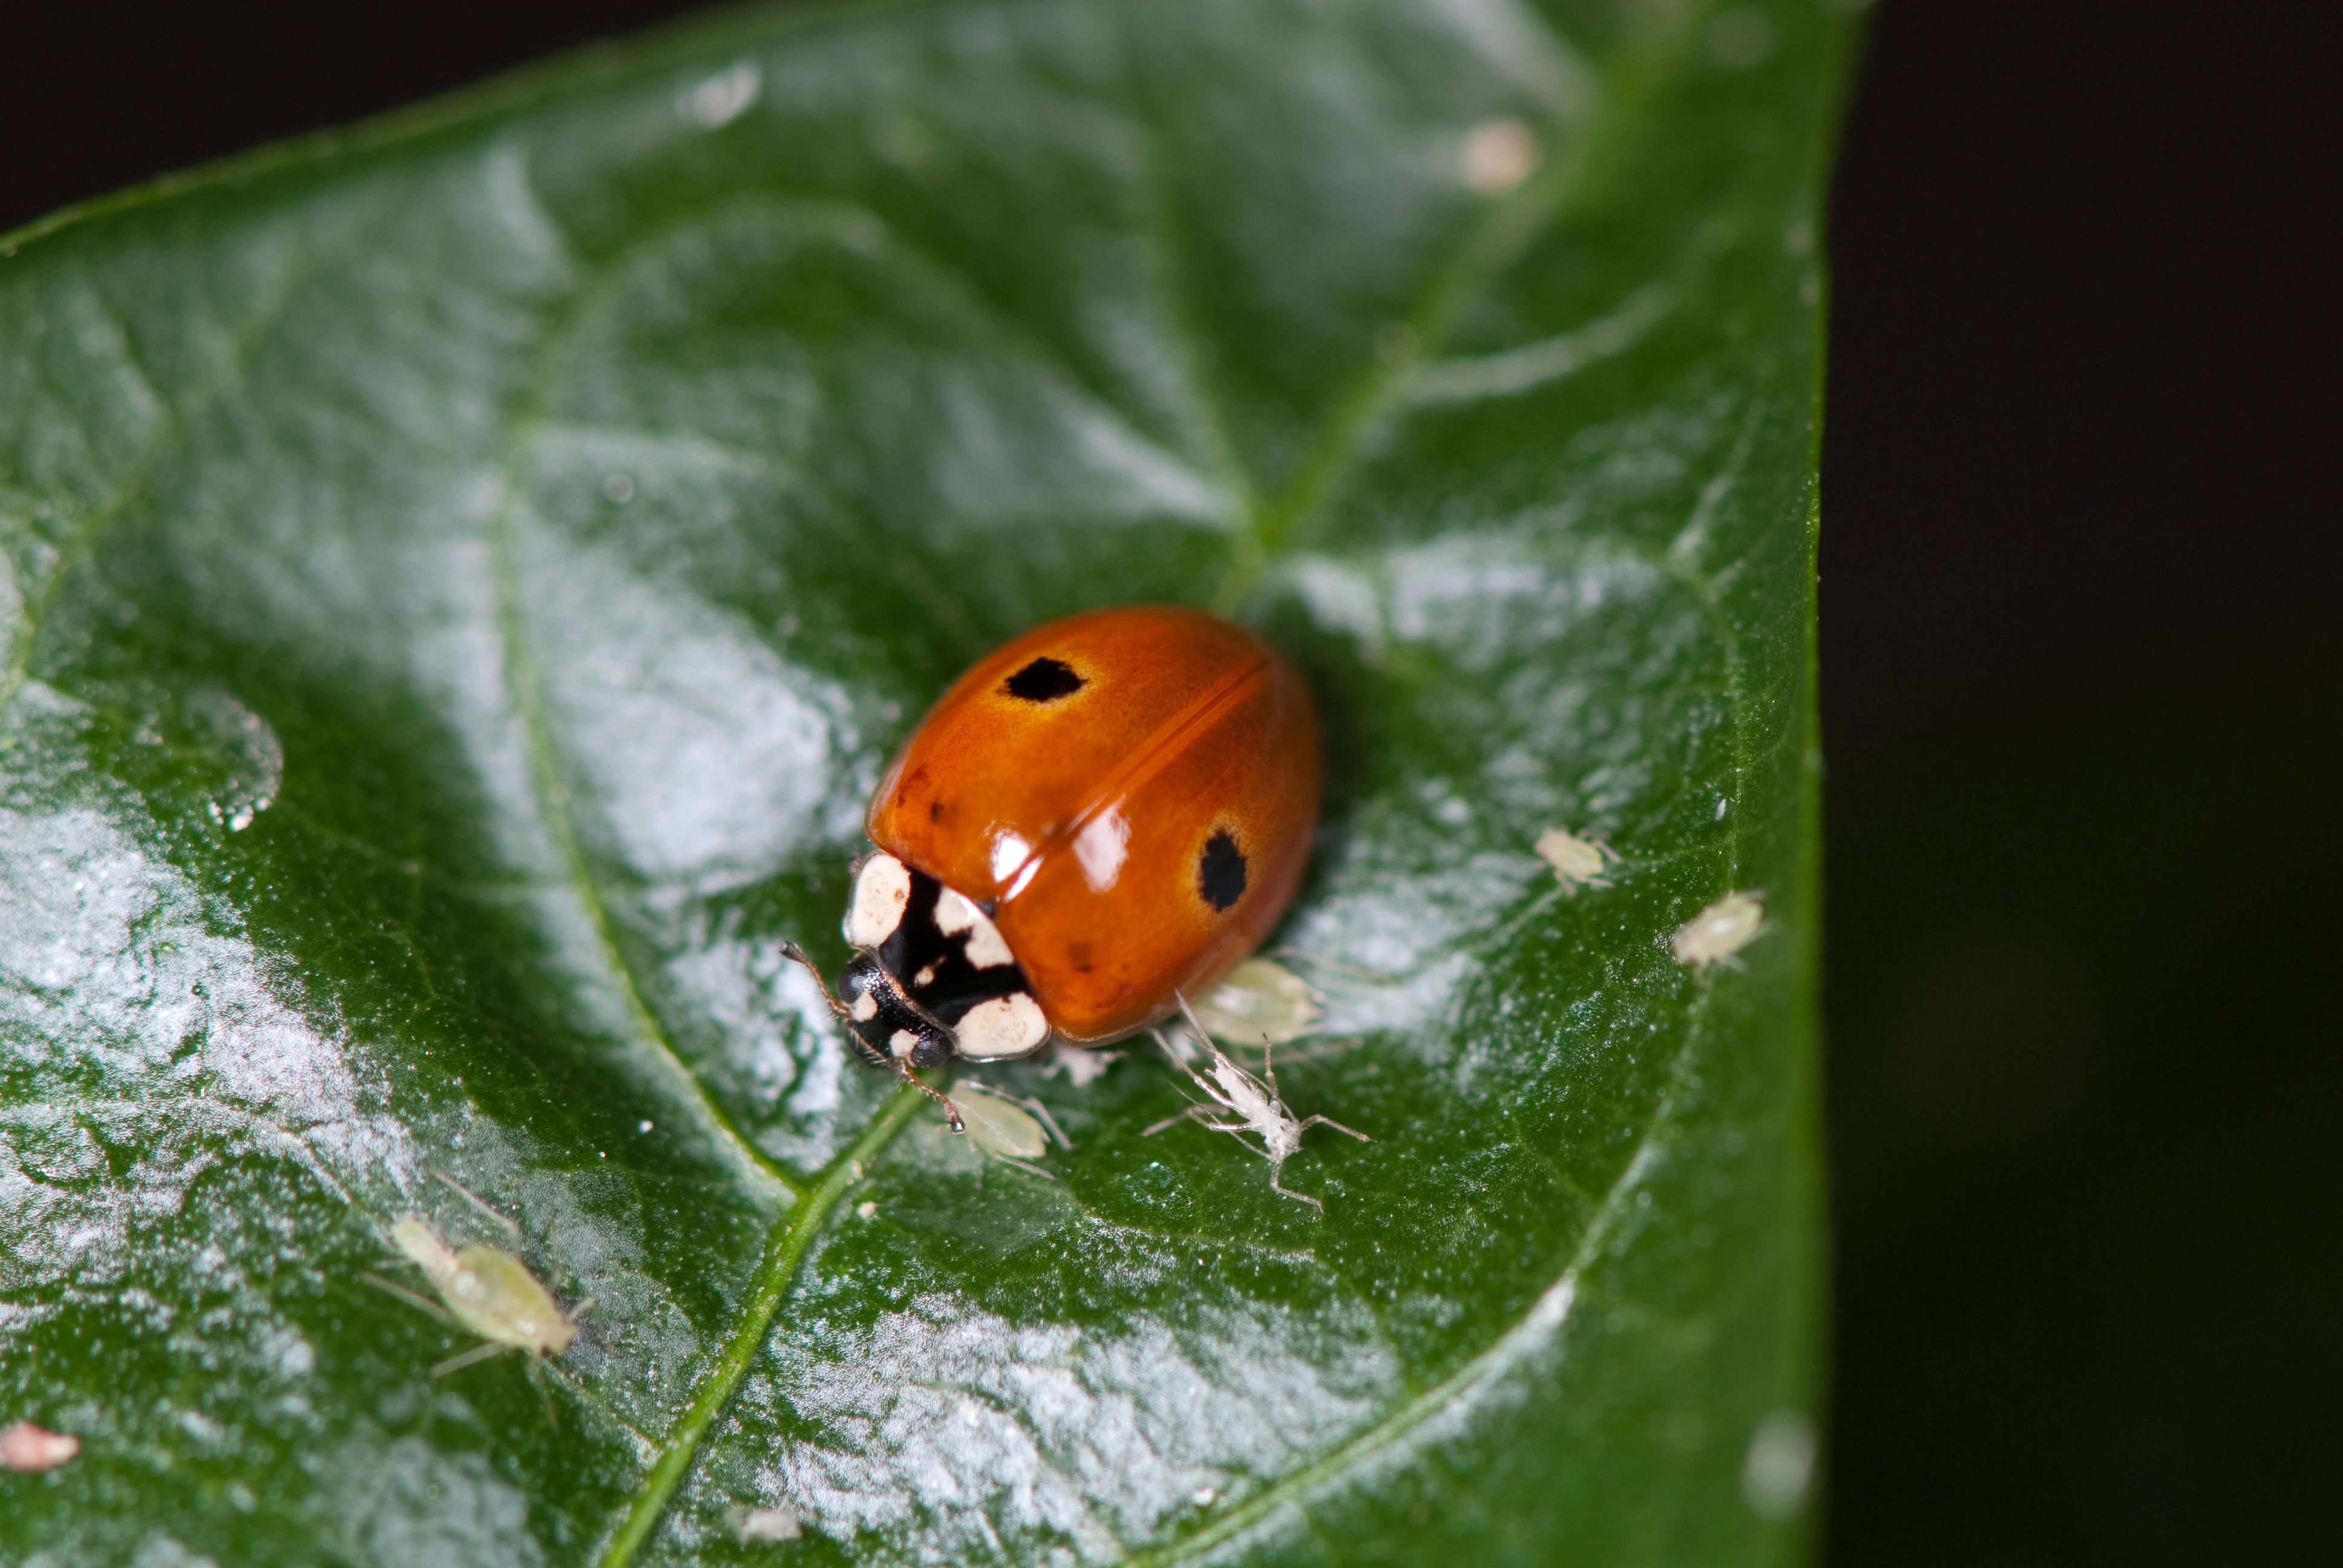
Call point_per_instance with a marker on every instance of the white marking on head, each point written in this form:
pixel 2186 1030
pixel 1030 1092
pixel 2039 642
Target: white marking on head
pixel 902 1042
pixel 925 977
pixel 1719 932
pixel 986 950
pixel 1101 846
pixel 1003 1027
pixel 883 889
pixel 865 1007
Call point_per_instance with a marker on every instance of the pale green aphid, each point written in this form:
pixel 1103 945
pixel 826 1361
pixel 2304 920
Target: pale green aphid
pixel 1010 1132
pixel 1260 1001
pixel 1578 862
pixel 998 1127
pixel 484 1289
pixel 1720 932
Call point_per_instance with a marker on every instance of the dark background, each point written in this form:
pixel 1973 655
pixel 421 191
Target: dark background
pixel 2082 678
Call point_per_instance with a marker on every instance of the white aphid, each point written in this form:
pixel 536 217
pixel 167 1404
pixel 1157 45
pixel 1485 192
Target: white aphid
pixel 1259 1000
pixel 484 1289
pixel 28 1450
pixel 1578 862
pixel 1498 156
pixel 1721 930
pixel 768 1524
pixel 1255 1105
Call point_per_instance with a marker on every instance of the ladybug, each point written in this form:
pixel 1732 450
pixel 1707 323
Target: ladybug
pixel 1101 816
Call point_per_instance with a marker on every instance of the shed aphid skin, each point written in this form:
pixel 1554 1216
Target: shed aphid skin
pixel 1578 862
pixel 1256 1106
pixel 483 1290
pixel 1720 932
pixel 1261 999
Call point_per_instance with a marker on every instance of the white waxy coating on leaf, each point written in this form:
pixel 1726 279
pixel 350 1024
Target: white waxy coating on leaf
pixel 487 1290
pixel 1005 1025
pixel 883 889
pixel 1260 1001
pixel 1719 932
pixel 998 1127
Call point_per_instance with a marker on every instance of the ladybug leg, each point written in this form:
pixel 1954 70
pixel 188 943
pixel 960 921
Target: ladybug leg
pixel 952 1112
pixel 797 955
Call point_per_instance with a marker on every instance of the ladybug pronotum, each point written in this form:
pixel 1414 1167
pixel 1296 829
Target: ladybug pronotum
pixel 1104 815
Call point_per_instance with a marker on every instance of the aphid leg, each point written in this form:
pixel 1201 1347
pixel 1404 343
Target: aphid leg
pixel 797 955
pixel 472 1357
pixel 1275 1186
pixel 511 1226
pixel 1194 1113
pixel 952 1112
pixel 1027 1166
pixel 1203 1035
pixel 544 1394
pixel 1041 1110
pixel 582 1308
pixel 1172 1044
pixel 419 1302
pixel 1269 1070
pixel 1330 1121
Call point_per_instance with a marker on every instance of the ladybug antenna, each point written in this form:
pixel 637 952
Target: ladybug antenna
pixel 952 1112
pixel 797 955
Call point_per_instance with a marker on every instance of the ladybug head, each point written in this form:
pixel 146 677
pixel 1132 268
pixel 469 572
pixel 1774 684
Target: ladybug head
pixel 886 1028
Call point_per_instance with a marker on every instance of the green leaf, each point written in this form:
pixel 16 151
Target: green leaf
pixel 464 577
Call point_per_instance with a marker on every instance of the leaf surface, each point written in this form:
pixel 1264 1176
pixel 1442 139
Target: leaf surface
pixel 464 577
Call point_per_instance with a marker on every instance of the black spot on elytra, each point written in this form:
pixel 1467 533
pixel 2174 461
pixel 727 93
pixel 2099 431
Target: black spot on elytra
pixel 1221 874
pixel 1045 680
pixel 935 811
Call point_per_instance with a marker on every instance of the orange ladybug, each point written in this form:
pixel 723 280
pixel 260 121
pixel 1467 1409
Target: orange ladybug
pixel 1103 815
